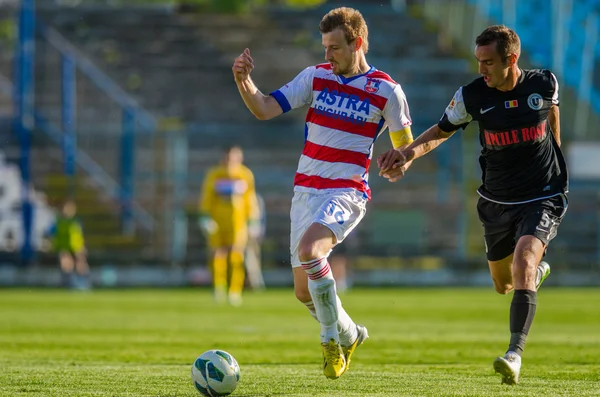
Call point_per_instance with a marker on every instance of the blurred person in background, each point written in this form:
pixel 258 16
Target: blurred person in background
pixel 523 196
pixel 228 215
pixel 67 240
pixel 350 104
pixel 339 266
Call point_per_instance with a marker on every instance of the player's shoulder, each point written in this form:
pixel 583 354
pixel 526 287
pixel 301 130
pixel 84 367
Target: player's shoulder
pixel 382 76
pixel 246 172
pixel 321 71
pixel 322 66
pixel 476 87
pixel 377 82
pixel 213 171
pixel 538 76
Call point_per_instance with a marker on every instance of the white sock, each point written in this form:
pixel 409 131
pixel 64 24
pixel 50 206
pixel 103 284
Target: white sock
pixel 321 286
pixel 346 327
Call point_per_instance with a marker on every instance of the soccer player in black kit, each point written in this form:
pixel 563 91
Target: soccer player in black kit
pixel 523 195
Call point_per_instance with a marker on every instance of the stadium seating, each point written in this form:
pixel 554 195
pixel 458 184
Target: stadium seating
pixel 176 64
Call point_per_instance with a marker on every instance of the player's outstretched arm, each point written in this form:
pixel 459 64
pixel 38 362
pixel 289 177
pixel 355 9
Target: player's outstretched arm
pixel 393 163
pixel 264 107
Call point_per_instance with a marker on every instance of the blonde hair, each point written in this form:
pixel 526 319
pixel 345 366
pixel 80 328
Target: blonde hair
pixel 350 21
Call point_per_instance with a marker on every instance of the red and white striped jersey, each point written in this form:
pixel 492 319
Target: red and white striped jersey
pixel 345 117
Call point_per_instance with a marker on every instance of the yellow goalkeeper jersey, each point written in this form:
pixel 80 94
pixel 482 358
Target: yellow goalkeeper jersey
pixel 229 197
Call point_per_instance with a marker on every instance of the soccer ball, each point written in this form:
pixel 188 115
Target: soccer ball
pixel 215 373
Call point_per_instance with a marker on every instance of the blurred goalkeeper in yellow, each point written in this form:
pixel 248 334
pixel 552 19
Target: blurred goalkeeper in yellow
pixel 228 215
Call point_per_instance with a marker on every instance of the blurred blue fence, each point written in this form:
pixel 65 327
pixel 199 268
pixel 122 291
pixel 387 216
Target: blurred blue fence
pixel 149 154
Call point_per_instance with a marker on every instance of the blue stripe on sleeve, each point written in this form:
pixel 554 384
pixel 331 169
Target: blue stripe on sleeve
pixel 282 101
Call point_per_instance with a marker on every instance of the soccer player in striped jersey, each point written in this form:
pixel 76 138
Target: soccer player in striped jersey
pixel 350 103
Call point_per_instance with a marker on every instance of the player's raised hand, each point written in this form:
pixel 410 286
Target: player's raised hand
pixel 242 66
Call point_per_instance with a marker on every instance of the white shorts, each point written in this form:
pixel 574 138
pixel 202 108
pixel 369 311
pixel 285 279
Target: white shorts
pixel 339 211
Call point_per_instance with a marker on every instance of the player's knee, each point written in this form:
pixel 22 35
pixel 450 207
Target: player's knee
pixel 525 265
pixel 526 255
pixel 307 252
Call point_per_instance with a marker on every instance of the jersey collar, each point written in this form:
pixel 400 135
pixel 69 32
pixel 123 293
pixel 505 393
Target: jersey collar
pixel 346 80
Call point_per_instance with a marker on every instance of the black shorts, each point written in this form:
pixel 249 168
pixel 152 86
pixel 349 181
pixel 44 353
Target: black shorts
pixel 505 224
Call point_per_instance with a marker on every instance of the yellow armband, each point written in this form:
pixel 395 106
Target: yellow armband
pixel 401 138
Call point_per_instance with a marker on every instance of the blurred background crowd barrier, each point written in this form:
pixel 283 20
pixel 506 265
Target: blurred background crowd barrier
pixel 124 104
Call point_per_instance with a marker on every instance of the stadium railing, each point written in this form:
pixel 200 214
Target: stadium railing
pixel 108 158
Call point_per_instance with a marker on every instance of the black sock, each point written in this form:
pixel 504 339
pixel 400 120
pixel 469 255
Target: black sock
pixel 522 311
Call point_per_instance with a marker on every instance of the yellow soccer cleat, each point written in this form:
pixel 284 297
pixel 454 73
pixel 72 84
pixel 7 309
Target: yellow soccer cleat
pixel 334 363
pixel 362 335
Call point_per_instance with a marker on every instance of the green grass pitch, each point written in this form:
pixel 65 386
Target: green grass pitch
pixel 424 342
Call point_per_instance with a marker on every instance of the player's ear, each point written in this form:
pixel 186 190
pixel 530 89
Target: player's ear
pixel 512 59
pixel 358 42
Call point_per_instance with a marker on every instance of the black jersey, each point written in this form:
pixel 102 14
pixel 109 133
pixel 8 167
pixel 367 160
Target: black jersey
pixel 520 159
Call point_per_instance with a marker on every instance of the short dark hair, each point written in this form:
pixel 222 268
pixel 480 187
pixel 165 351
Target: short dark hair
pixel 350 21
pixel 507 40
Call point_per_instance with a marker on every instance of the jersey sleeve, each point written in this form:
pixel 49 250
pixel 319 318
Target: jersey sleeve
pixel 297 92
pixel 554 89
pixel 456 115
pixel 207 194
pixel 396 112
